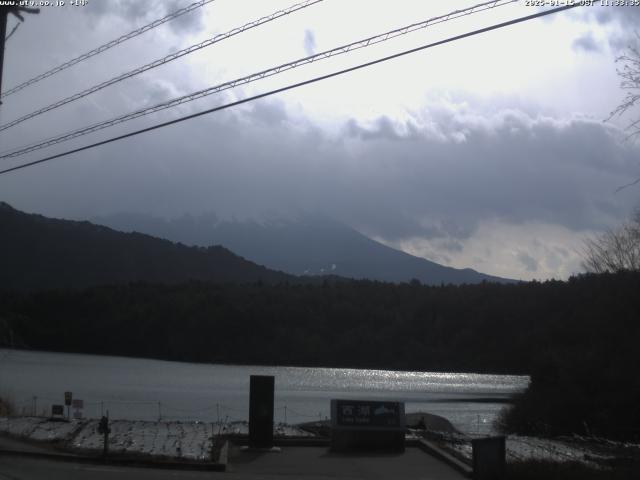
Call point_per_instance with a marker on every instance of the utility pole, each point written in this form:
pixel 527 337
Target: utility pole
pixel 4 13
pixel 103 428
pixel 5 10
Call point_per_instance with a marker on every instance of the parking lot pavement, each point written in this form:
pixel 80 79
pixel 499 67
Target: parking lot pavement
pixel 320 463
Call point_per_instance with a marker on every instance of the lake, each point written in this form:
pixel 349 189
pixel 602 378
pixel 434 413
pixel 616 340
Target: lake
pixel 132 388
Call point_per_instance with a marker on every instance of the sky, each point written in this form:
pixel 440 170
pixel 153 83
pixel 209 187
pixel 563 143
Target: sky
pixel 493 152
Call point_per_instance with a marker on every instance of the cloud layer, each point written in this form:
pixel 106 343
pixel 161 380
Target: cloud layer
pixel 437 175
pixel 507 183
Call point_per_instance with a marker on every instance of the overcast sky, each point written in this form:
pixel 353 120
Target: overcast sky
pixel 489 152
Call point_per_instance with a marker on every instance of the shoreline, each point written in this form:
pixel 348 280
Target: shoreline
pixel 260 366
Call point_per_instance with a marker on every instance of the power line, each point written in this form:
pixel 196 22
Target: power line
pixel 259 75
pixel 296 85
pixel 17 11
pixel 13 30
pixel 3 31
pixel 162 61
pixel 107 46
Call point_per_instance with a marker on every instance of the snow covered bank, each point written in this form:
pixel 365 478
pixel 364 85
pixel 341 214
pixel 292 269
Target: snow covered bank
pixel 194 440
pixel 182 440
pixel 589 452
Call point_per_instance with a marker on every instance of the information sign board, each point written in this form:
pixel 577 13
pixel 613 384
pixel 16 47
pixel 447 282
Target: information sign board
pixel 363 413
pixel 367 425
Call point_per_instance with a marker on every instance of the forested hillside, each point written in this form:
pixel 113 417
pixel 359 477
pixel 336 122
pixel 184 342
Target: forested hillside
pixel 44 253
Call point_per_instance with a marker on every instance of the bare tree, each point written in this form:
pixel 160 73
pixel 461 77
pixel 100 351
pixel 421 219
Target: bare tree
pixel 629 75
pixel 615 250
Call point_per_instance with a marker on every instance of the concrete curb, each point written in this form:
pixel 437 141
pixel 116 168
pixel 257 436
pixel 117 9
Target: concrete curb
pixel 426 446
pixel 223 456
pixel 434 450
pixel 286 442
pixel 302 442
pixel 120 461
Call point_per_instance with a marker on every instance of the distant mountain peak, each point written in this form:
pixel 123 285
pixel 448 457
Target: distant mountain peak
pixel 5 206
pixel 305 244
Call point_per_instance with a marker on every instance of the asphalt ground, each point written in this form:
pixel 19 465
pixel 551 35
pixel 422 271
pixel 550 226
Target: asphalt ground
pixel 320 463
pixel 311 463
pixel 304 462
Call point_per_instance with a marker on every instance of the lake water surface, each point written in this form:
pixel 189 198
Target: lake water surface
pixel 131 388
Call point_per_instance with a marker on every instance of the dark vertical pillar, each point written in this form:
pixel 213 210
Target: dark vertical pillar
pixel 4 13
pixel 3 33
pixel 261 390
pixel 489 458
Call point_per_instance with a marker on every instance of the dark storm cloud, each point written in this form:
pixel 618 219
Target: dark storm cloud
pixel 131 11
pixel 620 42
pixel 530 263
pixel 139 12
pixel 586 43
pixel 450 173
pixel 452 246
pixel 188 23
pixel 627 17
pixel 270 114
pixel 436 174
pixel 509 166
pixel 383 127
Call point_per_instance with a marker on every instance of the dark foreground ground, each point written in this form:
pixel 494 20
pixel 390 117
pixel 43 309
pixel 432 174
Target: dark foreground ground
pixel 312 463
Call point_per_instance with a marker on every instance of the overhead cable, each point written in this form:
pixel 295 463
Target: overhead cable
pixel 258 76
pixel 162 61
pixel 13 30
pixel 295 85
pixel 106 46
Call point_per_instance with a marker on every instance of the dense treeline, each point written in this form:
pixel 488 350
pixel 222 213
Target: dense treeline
pixel 360 324
pixel 578 339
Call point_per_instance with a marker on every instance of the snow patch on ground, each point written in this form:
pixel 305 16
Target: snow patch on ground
pixel 522 448
pixel 19 426
pixel 191 440
pixel 184 440
pixel 532 448
pixel 279 430
pixel 168 439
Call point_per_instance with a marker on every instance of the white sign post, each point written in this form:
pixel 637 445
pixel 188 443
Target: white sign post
pixel 77 405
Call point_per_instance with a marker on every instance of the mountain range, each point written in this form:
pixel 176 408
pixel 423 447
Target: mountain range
pixel 310 245
pixel 44 253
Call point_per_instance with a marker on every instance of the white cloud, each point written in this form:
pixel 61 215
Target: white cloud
pixel 526 252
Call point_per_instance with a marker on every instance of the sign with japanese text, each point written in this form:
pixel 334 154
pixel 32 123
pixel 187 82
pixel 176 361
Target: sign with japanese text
pixel 364 413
